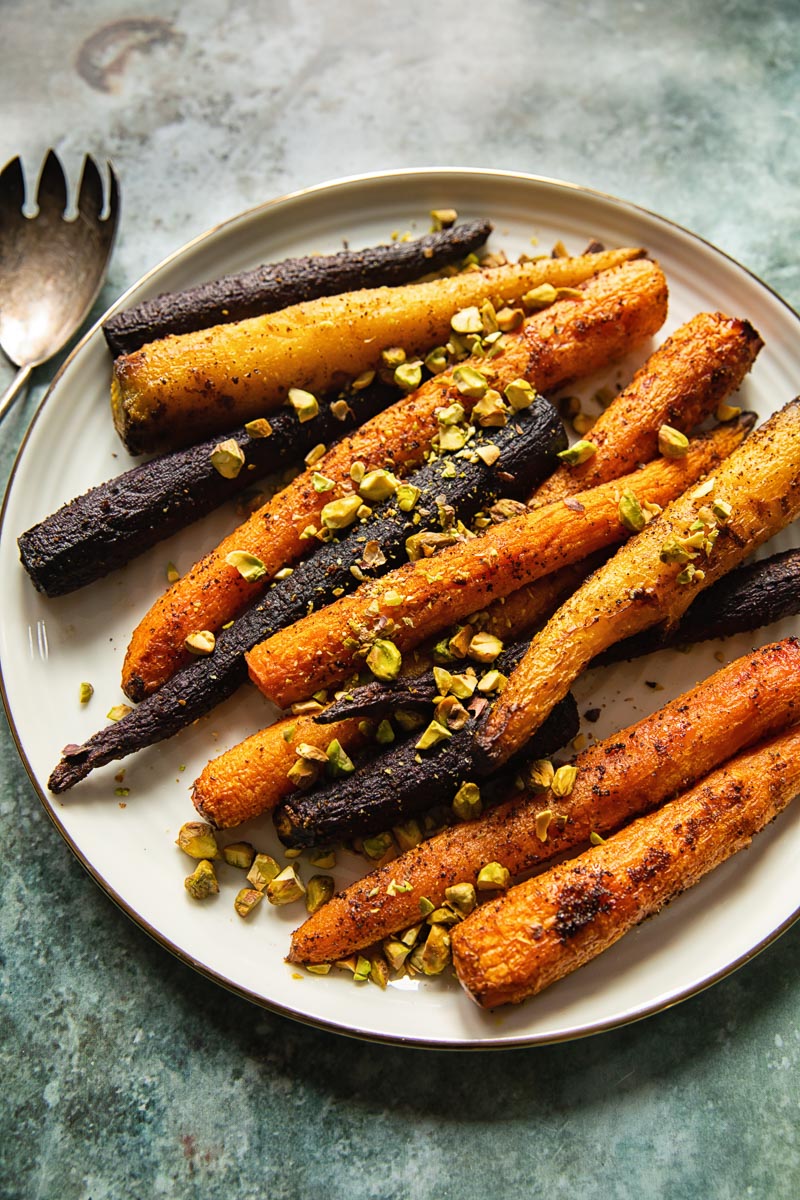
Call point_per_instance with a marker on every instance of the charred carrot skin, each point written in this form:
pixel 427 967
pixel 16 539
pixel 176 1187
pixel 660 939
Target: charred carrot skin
pixel 328 646
pixel 681 383
pixel 617 310
pixel 627 774
pixel 637 589
pixel 527 446
pixel 547 927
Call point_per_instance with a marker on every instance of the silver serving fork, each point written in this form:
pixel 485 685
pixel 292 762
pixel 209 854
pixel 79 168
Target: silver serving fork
pixel 51 267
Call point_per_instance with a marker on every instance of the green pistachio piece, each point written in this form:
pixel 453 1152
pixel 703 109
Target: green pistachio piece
pixel 722 510
pixel 200 643
pixel 393 356
pixel 85 693
pixel 311 753
pixel 398 887
pixel 304 403
pixel 728 412
pixel 467 802
pixel 426 907
pixel 409 936
pixel 196 838
pixel 384 734
pixel 488 453
pixel 202 882
pixel 581 452
pixel 436 360
pixel 596 839
pixel 451 713
pixel 248 565
pixel 489 324
pixel 408 720
pixel 442 679
pixel 408 376
pixel 118 711
pixel 246 900
pixel 492 681
pixel 360 382
pixel 689 573
pixel 671 442
pixel 227 458
pixel 564 780
pixel 319 891
pixel 452 438
pixel 377 846
pixel 239 854
pixel 384 660
pixel 260 428
pixel 470 382
pixel 467 320
pixel 322 858
pixel 540 774
pixel 363 969
pixel 407 496
pixel 542 823
pixel 379 971
pixel 462 897
pixel 493 877
pixel 540 297
pixel 286 887
pixel 303 774
pixel 583 422
pixel 321 483
pixel 444 916
pixel 436 951
pixel 377 485
pixel 408 835
pixel 443 218
pixel 316 452
pixel 674 551
pixel 318 968
pixel 396 953
pixel 172 573
pixel 341 513
pixel 630 511
pixel 463 686
pixel 263 870
pixel 453 414
pixel 484 647
pixel 510 319
pixel 434 734
pixel 520 394
pixel 491 411
pixel 339 762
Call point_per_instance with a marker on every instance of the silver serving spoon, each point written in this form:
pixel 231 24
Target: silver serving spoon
pixel 51 266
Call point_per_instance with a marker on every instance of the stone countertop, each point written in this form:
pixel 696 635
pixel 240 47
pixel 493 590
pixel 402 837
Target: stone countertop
pixel 125 1074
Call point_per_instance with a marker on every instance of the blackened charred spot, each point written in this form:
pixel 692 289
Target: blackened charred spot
pixel 580 902
pixel 654 861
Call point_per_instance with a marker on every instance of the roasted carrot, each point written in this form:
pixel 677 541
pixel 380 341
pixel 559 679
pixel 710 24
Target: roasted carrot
pixel 627 774
pixel 546 927
pixel 656 576
pixel 683 381
pixel 616 311
pixel 186 387
pixel 425 596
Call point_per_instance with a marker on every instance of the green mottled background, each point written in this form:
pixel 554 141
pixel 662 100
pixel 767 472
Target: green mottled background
pixel 126 1075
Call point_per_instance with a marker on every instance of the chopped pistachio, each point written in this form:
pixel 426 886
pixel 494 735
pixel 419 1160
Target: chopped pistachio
pixel 452 438
pixel 384 734
pixel 484 647
pixel 196 838
pixel 363 969
pixel 227 458
pixel 540 774
pixel 322 483
pixel 463 686
pixel 202 882
pixel 444 916
pixel 246 900
pixel 395 888
pixel 306 708
pixel 509 319
pixel 303 773
pixel 284 573
pixel 467 802
pixel 674 551
pixel 467 320
pixel 493 877
pixel 583 422
pixel 436 951
pixel 318 968
pixel 689 573
pixel 339 762
pixel 304 404
pixel 461 896
pixel 172 573
pixel 728 412
pixel 384 660
pixel 118 711
pixel 492 681
pixel 377 485
pixel 470 383
pixel 85 693
pixel 396 953
pixel 239 854
pixel 671 442
pixel 340 409
pixel 520 394
pixel 630 511
pixel 259 428
pixel 451 713
pixel 722 510
pixel 286 887
pixel 322 858
pixel 426 907
pixel 542 823
pixel 393 356
pixel 378 845
pixel 453 414
pixel 459 643
pixel 564 780
pixel 407 496
pixel 596 839
pixel 249 566
pixel 443 218
pixel 408 720
pixel 488 453
pixel 569 406
pixel 319 891
pixel 580 453
pixel 408 835
pixel 379 971
pixel 434 734
pixel 442 679
pixel 200 643
pixel 339 514
pixel 491 411
pixel 263 870
pixel 408 376
pixel 436 360
pixel 540 297
pixel 409 936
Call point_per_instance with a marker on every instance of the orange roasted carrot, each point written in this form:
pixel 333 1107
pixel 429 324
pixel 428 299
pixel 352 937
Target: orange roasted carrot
pixel 683 381
pixel 615 311
pixel 543 929
pixel 754 697
pixel 655 576
pixel 413 602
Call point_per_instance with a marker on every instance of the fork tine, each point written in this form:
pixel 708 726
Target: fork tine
pixel 12 185
pixel 52 194
pixel 113 196
pixel 90 192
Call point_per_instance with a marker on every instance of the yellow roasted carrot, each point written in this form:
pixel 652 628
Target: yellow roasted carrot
pixel 615 311
pixel 543 929
pixel 630 772
pixel 654 578
pixel 183 388
pixel 410 604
